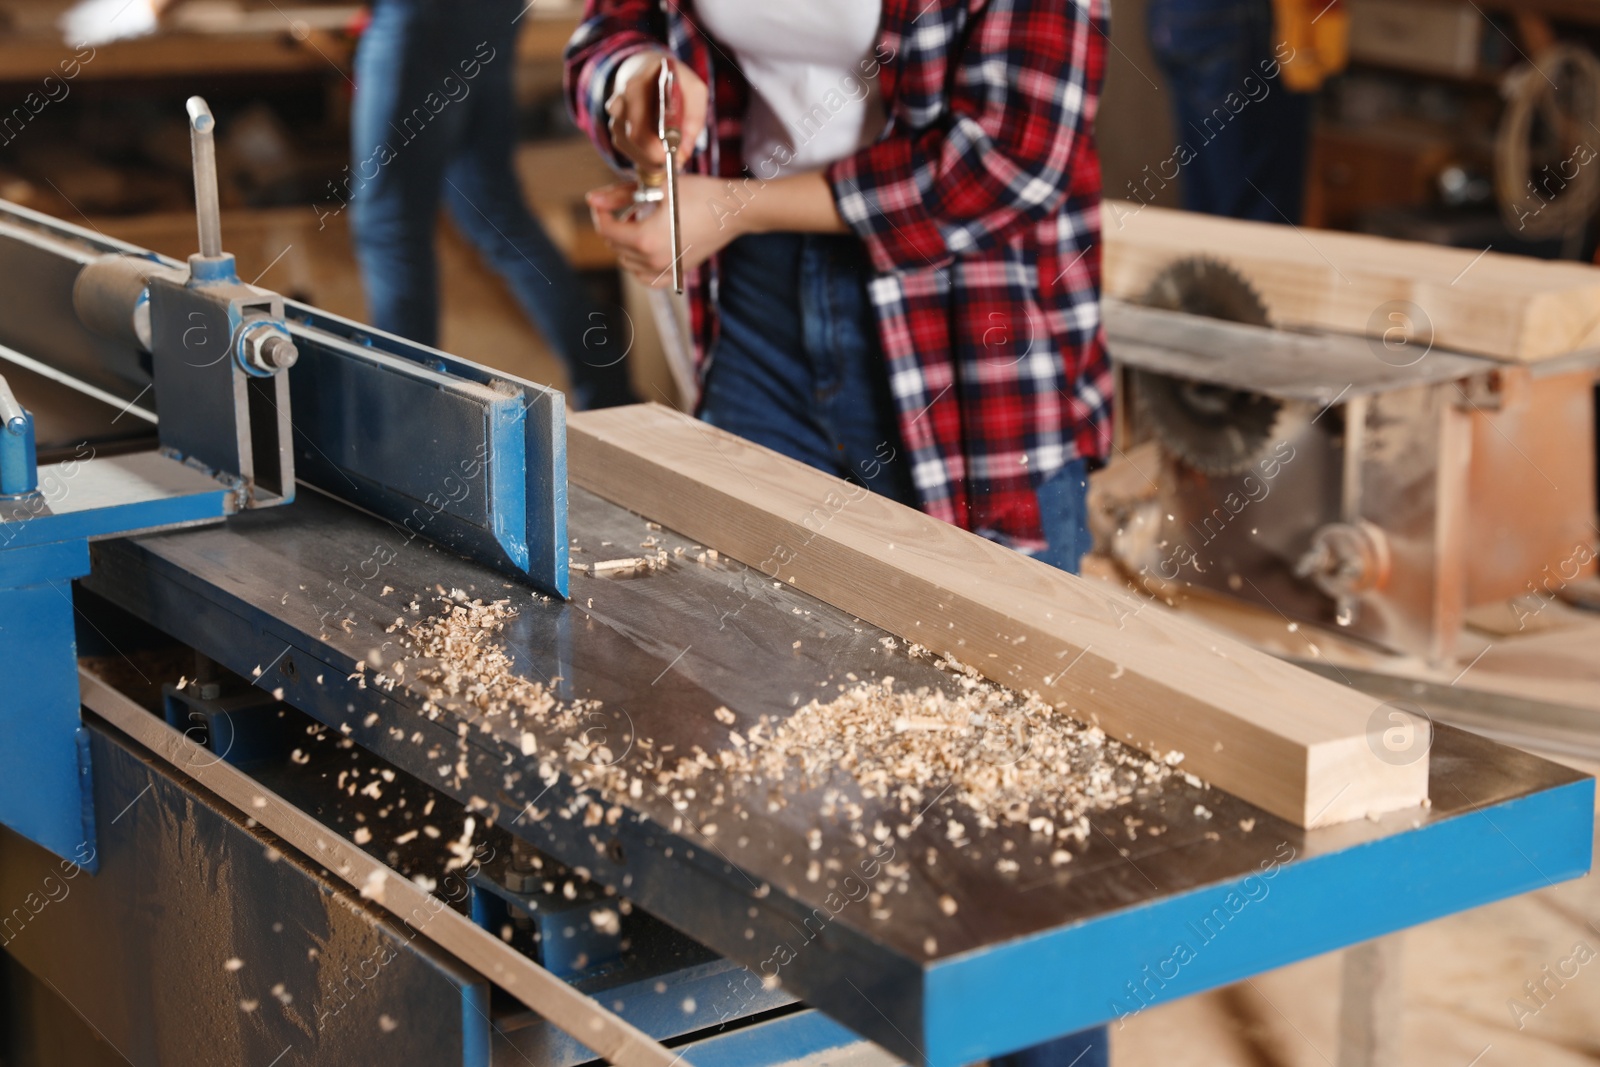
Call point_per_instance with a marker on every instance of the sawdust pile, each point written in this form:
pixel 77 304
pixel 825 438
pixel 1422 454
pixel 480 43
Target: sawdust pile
pixel 458 657
pixel 458 653
pixel 1007 757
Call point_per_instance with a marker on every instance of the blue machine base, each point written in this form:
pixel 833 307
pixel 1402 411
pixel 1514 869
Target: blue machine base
pixel 45 791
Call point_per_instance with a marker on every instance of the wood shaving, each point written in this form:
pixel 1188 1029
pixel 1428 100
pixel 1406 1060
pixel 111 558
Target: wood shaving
pixel 991 756
pixel 1007 757
pixel 609 566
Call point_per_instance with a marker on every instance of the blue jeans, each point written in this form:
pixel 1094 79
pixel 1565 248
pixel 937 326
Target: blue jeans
pixel 1247 133
pixel 435 119
pixel 798 368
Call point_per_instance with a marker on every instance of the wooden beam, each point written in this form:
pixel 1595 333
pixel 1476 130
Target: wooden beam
pixel 1507 307
pixel 1261 729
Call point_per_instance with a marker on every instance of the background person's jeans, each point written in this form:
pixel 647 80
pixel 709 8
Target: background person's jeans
pixel 423 131
pixel 1249 160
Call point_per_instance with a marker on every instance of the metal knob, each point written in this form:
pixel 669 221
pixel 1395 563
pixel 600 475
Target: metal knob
pixel 14 417
pixel 19 465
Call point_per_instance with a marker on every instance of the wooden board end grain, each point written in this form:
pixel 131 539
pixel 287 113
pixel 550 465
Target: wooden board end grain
pixel 1277 736
pixel 1510 308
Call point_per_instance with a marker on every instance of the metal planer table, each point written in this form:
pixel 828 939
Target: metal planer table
pixel 1132 921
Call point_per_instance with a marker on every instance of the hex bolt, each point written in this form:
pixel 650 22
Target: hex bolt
pixel 266 349
pixel 521 875
pixel 280 352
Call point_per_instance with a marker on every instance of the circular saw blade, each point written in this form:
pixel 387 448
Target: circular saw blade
pixel 1212 428
pixel 1200 285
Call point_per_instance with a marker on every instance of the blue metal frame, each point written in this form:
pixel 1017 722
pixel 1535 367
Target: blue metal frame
pixel 1503 822
pixel 446 414
pixel 480 468
pixel 150 979
pixel 83 500
pixel 42 780
pixel 991 1002
pixel 46 792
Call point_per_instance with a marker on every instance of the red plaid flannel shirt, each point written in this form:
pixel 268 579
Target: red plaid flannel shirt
pixel 980 209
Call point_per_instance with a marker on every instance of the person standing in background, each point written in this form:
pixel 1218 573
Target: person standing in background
pixel 435 120
pixel 1242 74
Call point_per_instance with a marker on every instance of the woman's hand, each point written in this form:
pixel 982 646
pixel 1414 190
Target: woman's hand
pixel 635 101
pixel 708 215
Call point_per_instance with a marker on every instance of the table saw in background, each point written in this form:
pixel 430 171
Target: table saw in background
pixel 255 843
pixel 1388 446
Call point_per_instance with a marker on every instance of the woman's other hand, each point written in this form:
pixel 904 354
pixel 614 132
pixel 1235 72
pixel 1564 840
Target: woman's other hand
pixel 709 217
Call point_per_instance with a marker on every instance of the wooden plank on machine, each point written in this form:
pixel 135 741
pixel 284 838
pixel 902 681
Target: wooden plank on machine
pixel 1506 307
pixel 1268 732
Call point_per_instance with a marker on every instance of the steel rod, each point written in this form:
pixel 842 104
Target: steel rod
pixel 207 204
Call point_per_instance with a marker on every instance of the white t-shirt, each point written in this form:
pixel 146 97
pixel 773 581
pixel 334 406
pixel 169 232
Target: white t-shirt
pixel 812 70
